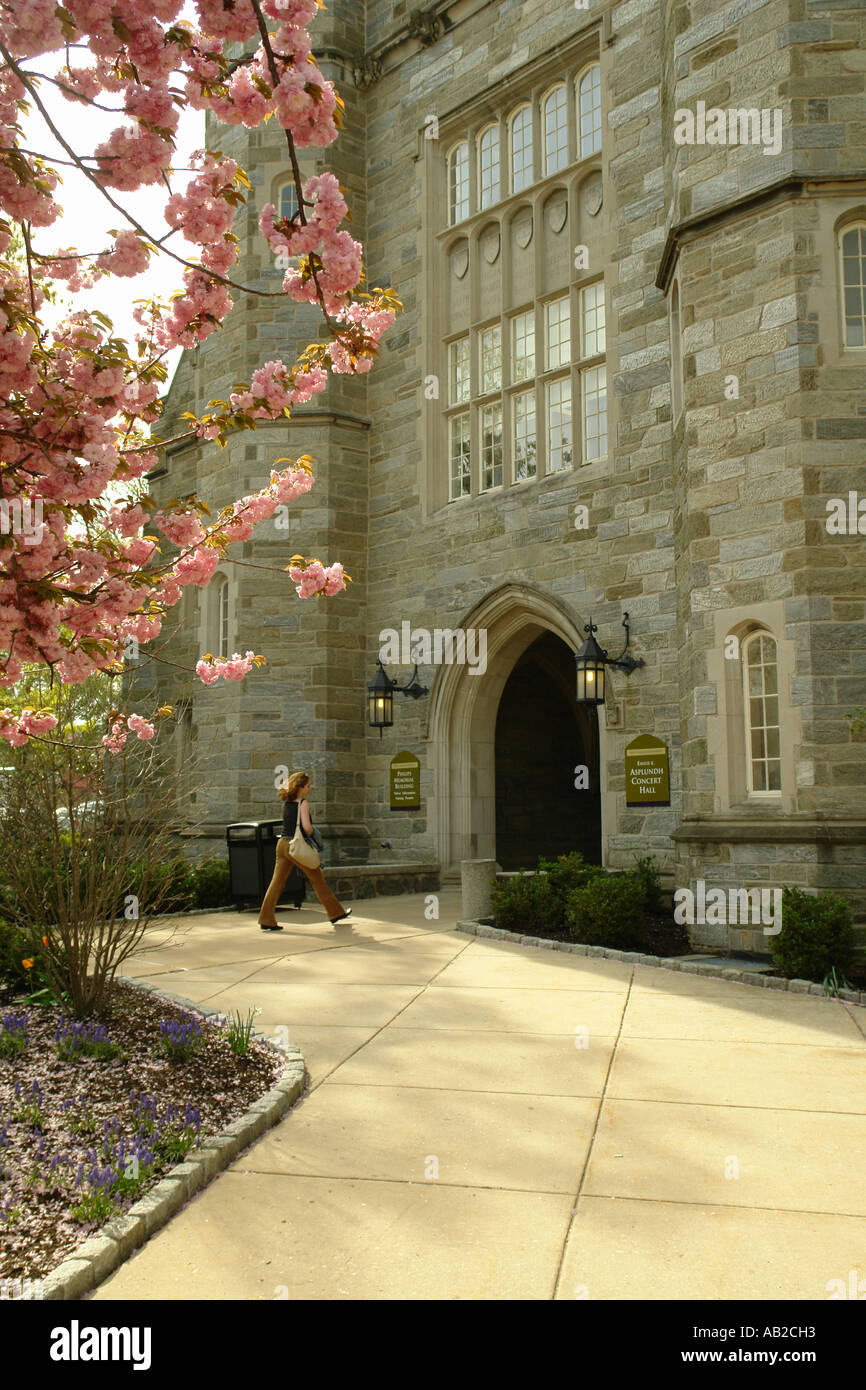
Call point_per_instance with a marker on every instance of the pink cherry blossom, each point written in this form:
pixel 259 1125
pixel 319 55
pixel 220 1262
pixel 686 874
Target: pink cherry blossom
pixel 129 257
pixel 140 726
pixel 76 408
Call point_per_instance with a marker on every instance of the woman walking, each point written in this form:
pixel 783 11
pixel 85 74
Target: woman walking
pixel 294 795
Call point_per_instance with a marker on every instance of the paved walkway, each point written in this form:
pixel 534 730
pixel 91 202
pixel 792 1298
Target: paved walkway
pixel 459 1141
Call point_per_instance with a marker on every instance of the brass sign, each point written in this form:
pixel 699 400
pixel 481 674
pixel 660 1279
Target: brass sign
pixel 405 781
pixel 647 772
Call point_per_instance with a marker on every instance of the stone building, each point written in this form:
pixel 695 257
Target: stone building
pixel 630 242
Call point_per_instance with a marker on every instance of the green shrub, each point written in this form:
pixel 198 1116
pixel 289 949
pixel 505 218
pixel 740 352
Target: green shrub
pixel 609 911
pixel 565 874
pixel 173 886
pixel 526 904
pixel 169 886
pixel 647 874
pixel 212 882
pixel 180 884
pixel 817 936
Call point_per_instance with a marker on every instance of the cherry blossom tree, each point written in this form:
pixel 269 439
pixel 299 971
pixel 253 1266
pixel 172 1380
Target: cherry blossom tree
pixel 80 578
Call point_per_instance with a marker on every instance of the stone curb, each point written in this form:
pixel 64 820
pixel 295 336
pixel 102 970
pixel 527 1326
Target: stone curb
pixel 681 963
pixel 87 1266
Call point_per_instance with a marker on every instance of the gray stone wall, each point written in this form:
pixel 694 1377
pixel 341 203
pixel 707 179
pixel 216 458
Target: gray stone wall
pixel 701 527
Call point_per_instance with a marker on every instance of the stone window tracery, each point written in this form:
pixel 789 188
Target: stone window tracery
pixel 521 316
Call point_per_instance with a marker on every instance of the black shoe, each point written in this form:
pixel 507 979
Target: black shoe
pixel 347 913
pixel 264 928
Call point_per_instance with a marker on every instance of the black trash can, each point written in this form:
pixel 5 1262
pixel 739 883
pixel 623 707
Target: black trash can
pixel 252 848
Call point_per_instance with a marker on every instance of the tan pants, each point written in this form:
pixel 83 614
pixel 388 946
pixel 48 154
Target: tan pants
pixel 282 868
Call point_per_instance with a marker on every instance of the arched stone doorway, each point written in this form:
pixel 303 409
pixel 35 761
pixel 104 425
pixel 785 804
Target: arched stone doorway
pixel 462 722
pixel 542 737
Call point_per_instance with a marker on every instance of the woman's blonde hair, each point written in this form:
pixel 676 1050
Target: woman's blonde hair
pixel 289 790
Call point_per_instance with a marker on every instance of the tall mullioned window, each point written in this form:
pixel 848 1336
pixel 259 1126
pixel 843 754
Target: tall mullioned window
pixel 852 246
pixel 593 379
pixel 557 335
pixel 526 389
pixel 222 631
pixel 491 359
pixel 288 201
pixel 459 456
pixel 521 149
pixel 763 727
pixel 458 183
pixel 522 347
pixel 555 121
pixel 488 167
pixel 559 437
pixel 538 401
pixel 589 111
pixel 523 405
pixel 491 447
pixel 458 372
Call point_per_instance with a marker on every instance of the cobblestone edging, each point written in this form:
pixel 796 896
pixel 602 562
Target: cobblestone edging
pixel 681 963
pixel 114 1242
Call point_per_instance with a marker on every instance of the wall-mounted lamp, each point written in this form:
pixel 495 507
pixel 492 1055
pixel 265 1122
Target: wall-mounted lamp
pixel 380 697
pixel 591 661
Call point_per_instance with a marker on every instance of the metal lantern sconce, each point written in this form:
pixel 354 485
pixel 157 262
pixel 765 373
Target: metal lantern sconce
pixel 380 697
pixel 591 662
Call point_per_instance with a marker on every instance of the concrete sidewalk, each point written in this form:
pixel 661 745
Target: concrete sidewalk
pixel 459 1140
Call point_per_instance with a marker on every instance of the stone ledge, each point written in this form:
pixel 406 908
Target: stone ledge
pixel 762 830
pixel 681 963
pixel 101 1254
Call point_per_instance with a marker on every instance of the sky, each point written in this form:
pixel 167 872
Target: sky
pixel 88 219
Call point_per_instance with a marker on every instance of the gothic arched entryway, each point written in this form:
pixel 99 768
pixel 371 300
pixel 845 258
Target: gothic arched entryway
pixel 542 737
pixel 464 706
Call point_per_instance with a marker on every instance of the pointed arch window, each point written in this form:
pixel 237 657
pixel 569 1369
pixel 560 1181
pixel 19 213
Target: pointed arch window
pixel 458 183
pixel 589 111
pixel 288 200
pixel 763 724
pixel 852 250
pixel 488 167
pixel 222 619
pixel 555 124
pixel 521 149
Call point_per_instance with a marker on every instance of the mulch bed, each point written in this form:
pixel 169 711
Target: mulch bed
pixel 87 1103
pixel 664 936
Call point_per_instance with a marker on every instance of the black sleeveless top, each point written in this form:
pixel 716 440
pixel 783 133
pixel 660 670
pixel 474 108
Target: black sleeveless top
pixel 290 818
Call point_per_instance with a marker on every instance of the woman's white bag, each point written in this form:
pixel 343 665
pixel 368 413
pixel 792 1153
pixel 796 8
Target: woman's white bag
pixel 300 848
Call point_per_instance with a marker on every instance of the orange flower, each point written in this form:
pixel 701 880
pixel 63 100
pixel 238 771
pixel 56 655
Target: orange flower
pixel 45 941
pixel 28 964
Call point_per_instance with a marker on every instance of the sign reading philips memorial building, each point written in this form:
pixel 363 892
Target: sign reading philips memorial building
pixel 405 781
pixel 647 774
